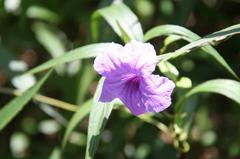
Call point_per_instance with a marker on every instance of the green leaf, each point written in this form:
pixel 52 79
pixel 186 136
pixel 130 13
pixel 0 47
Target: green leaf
pixel 118 13
pixel 51 40
pixel 42 13
pixel 184 82
pixel 210 39
pixel 10 110
pixel 99 115
pixel 166 30
pixel 169 40
pixel 195 41
pixel 169 70
pixel 77 117
pixel 125 36
pixel 84 52
pixel 56 154
pixel 86 78
pixel 225 87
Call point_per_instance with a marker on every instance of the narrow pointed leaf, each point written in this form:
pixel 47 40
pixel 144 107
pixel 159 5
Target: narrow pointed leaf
pixel 86 78
pixel 49 38
pixel 51 41
pixel 226 87
pixel 166 30
pixel 84 52
pixel 99 115
pixel 118 13
pixel 10 110
pixel 195 40
pixel 77 117
pixel 41 13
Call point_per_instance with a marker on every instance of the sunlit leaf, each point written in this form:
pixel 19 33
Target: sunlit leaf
pixel 225 87
pixel 118 13
pixel 169 70
pixel 74 121
pixel 51 41
pixel 84 52
pixel 166 30
pixel 210 39
pixel 86 78
pixel 195 40
pixel 169 40
pixel 42 13
pixel 184 82
pixel 124 35
pixel 56 154
pixel 10 110
pixel 99 115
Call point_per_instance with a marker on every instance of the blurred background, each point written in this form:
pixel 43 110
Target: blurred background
pixel 32 32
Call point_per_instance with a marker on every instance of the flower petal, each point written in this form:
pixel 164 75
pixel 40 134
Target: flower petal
pixel 108 62
pixel 135 57
pixel 128 71
pixel 134 103
pixel 156 92
pixel 110 90
pixel 153 95
pixel 141 56
pixel 131 97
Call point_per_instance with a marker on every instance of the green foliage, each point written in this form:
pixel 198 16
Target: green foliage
pixel 118 15
pixel 76 118
pixel 56 154
pixel 35 28
pixel 195 40
pixel 10 110
pixel 226 87
pixel 99 115
pixel 84 52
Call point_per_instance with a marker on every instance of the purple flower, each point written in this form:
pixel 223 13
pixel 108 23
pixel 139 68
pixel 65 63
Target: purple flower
pixel 128 72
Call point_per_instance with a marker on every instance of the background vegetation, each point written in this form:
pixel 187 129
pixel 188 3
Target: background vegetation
pixel 205 126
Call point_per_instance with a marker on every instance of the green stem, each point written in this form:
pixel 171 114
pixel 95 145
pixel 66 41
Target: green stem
pixel 43 99
pixel 158 124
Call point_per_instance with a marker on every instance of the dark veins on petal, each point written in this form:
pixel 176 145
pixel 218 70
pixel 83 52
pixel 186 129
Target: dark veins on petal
pixel 132 85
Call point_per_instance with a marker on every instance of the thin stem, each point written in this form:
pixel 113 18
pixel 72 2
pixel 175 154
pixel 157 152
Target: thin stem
pixel 43 99
pixel 158 124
